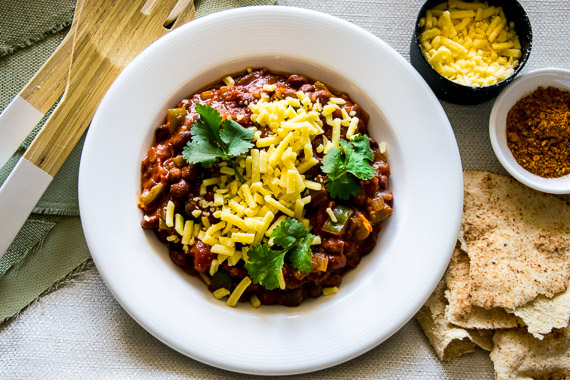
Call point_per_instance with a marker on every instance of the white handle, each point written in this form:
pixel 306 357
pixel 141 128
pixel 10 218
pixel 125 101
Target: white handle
pixel 16 122
pixel 18 196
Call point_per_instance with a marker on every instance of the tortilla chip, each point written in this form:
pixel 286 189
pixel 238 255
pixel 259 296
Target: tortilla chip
pixel 460 311
pixel 544 314
pixel 448 341
pixel 518 355
pixel 517 239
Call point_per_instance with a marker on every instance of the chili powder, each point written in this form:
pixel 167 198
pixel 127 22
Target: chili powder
pixel 538 132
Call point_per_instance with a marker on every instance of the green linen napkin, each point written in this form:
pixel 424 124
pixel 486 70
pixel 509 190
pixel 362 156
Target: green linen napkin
pixel 50 249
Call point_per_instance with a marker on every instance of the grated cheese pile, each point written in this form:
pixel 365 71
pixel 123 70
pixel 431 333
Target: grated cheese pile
pixel 275 186
pixel 471 44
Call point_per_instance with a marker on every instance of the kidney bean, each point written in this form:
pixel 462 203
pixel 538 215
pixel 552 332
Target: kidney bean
pixel 383 181
pixel 296 81
pixel 333 245
pixel 369 243
pixel 180 189
pixel 151 223
pixel 322 95
pixel 291 281
pixel 164 152
pixel 247 78
pixel 162 133
pixel 315 291
pixel 306 88
pixel 181 139
pixel 336 261
pixel 333 280
pixel 353 257
pixel 173 175
pixel 289 92
pixel 189 172
pixel 370 186
pixel 267 297
pixel 179 258
pixel 292 297
pixel 380 165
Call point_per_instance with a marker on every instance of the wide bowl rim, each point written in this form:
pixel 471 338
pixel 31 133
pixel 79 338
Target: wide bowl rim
pixel 126 285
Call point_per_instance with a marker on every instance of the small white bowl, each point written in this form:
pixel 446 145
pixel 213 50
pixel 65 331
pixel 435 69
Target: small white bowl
pixel 521 87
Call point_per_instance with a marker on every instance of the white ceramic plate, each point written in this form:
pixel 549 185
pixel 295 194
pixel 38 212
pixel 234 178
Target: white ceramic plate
pixel 377 298
pixel 519 88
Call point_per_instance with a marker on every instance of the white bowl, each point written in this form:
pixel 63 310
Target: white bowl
pixel 520 88
pixel 375 299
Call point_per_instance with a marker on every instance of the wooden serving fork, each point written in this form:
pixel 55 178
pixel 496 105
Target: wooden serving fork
pixel 28 107
pixel 108 35
pixel 26 110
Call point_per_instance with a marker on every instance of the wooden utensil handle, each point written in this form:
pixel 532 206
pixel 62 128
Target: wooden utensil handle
pixel 43 90
pixel 72 116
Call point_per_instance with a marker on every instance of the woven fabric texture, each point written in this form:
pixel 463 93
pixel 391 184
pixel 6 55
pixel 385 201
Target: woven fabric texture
pixel 33 23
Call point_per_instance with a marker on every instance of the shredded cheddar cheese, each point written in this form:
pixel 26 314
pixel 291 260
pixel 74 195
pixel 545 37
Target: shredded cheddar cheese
pixel 238 291
pixel 471 44
pixel 274 185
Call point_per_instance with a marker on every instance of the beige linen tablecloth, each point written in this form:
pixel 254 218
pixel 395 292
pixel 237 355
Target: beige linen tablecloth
pixel 80 331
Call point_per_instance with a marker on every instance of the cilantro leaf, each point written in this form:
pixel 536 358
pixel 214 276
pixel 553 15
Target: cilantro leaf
pixel 288 232
pixel 360 168
pixel 208 125
pixel 361 146
pixel 264 266
pixel 265 263
pixel 333 162
pixel 343 187
pixel 236 138
pixel 345 165
pixel 210 142
pixel 199 153
pixel 301 254
pixel 356 159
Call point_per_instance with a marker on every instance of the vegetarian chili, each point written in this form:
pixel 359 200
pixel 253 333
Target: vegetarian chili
pixel 343 227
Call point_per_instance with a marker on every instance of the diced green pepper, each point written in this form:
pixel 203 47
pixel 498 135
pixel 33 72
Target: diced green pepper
pixel 320 86
pixel 342 213
pixel 150 195
pixel 176 116
pixel 179 161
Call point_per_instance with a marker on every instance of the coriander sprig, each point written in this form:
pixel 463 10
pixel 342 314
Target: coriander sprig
pixel 265 263
pixel 210 142
pixel 347 163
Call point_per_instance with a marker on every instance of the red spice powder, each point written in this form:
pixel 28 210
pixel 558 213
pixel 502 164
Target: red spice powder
pixel 538 132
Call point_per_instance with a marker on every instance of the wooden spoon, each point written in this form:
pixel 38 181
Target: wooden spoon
pixel 109 35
